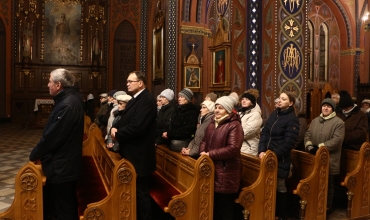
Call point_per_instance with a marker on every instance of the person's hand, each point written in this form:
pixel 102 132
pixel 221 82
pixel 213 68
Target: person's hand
pixel 110 145
pixel 312 149
pixel 262 154
pixel 185 151
pixel 37 162
pixel 164 135
pixel 113 132
pixel 204 153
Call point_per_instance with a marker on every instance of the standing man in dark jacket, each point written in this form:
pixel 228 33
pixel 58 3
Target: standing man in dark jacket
pixel 355 122
pixel 136 133
pixel 59 150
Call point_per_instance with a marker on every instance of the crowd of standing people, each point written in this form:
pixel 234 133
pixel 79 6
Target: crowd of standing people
pixel 223 128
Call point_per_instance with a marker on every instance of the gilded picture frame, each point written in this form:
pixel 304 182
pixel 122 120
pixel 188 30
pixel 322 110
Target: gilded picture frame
pixel 220 68
pixel 192 77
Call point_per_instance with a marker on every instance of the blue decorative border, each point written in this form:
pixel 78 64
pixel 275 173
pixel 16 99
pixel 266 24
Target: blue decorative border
pixel 143 35
pixel 187 10
pixel 172 42
pixel 253 42
pixel 199 11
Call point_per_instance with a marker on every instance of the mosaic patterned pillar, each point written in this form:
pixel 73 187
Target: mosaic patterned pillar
pixel 284 43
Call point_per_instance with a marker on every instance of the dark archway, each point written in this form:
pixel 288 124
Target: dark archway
pixel 124 54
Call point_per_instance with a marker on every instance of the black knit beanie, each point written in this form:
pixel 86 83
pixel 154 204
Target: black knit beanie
pixel 249 96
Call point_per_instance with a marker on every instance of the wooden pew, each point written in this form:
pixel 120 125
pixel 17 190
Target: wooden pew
pixel 87 123
pixel 183 186
pixel 259 179
pixel 27 203
pixel 119 179
pixel 310 182
pixel 355 165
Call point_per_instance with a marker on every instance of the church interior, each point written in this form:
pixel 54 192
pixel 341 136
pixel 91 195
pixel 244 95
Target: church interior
pixel 312 48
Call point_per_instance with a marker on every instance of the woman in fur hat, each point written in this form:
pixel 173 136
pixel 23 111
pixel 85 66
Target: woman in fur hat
pixel 250 115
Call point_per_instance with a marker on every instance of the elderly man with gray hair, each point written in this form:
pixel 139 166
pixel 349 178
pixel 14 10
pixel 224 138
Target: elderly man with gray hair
pixel 59 150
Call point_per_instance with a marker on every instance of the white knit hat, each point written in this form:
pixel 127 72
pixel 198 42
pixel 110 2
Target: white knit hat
pixel 104 95
pixel 119 93
pixel 235 97
pixel 366 101
pixel 168 94
pixel 209 104
pixel 90 96
pixel 227 102
pixel 123 98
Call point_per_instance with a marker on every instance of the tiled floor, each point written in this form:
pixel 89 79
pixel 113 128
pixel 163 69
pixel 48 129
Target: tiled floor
pixel 15 146
pixel 16 143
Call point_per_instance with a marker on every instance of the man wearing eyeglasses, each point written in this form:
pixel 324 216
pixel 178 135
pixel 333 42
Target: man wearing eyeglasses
pixel 135 133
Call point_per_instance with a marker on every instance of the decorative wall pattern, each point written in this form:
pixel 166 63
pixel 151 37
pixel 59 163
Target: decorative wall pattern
pixel 172 42
pixel 239 46
pixel 4 5
pixel 284 62
pixel 124 10
pixel 143 36
pixel 321 14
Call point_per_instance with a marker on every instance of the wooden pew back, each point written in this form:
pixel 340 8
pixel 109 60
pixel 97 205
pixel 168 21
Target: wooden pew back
pixel 28 201
pixel 119 178
pixel 310 182
pixel 194 179
pixel 259 179
pixel 355 166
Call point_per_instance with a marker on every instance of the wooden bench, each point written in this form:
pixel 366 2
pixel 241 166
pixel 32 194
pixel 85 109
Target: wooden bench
pixel 183 186
pixel 118 176
pixel 310 182
pixel 27 203
pixel 355 170
pixel 109 191
pixel 259 179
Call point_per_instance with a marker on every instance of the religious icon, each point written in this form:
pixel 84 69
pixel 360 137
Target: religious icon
pixel 96 45
pixel 219 75
pixel 192 77
pixel 27 36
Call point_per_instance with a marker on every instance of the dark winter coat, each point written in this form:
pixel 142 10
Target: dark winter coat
pixel 355 126
pixel 183 122
pixel 90 109
pixel 60 147
pixel 164 120
pixel 223 145
pixel 136 133
pixel 279 135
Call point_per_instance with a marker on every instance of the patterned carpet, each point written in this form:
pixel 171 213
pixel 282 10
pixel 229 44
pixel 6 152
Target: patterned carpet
pixel 16 143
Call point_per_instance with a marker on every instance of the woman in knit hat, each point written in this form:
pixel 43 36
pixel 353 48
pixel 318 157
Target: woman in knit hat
pixel 165 114
pixel 183 122
pixel 115 108
pixel 122 100
pixel 90 107
pixel 327 130
pixel 355 122
pixel 250 115
pixel 222 142
pixel 206 114
pixel 279 135
pixel 211 97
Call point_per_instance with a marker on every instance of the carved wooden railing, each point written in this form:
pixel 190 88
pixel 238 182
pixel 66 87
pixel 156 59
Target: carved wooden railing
pixel 119 178
pixel 194 179
pixel 312 172
pixel 356 165
pixel 259 179
pixel 28 200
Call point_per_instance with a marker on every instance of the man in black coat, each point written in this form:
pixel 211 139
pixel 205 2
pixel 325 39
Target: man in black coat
pixel 59 150
pixel 136 132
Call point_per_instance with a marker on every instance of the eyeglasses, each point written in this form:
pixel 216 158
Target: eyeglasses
pixel 131 81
